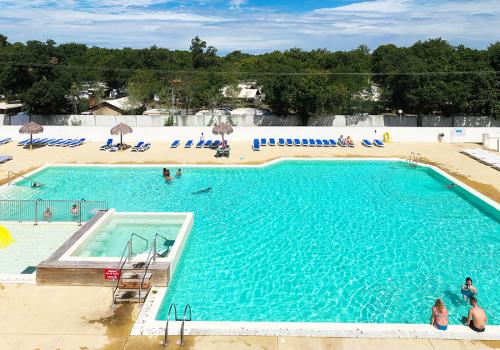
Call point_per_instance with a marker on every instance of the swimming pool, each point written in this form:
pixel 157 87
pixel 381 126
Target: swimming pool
pixel 324 241
pixel 110 239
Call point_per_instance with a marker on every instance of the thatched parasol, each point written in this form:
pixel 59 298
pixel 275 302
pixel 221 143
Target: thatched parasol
pixel 221 129
pixel 121 129
pixel 31 128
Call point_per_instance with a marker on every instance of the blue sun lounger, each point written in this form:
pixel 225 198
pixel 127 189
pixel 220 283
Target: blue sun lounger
pixel 272 142
pixel 106 145
pixel 175 144
pixel 319 143
pixel 216 144
pixel 289 142
pixel 77 143
pixel 4 141
pixel 312 143
pixel 188 144
pixel 256 145
pixel 66 143
pixel 208 144
pixel 326 143
pixel 305 142
pixel 144 147
pixel 296 142
pixel 366 143
pixel 23 142
pixel 53 142
pixel 378 143
pixel 281 142
pixel 136 147
pixel 263 142
pixel 333 143
pixel 200 144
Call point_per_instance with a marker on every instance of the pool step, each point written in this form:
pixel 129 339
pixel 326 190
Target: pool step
pixel 132 280
pixel 124 295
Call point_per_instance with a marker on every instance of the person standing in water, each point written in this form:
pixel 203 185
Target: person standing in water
pixel 178 173
pixel 468 290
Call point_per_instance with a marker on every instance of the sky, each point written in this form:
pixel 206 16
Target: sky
pixel 253 26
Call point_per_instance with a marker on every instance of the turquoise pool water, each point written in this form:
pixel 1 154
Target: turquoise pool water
pixel 110 240
pixel 342 241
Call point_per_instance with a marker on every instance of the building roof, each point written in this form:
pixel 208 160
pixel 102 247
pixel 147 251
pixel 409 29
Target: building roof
pixel 7 106
pixel 123 104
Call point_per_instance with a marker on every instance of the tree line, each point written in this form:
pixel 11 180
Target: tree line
pixel 428 77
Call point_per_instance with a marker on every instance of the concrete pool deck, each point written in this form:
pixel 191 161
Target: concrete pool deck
pixel 444 155
pixel 66 318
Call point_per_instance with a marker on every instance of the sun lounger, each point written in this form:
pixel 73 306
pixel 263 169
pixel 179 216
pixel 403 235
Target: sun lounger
pixel 188 144
pixel 215 144
pixel 326 143
pixel 378 143
pixel 366 143
pixel 67 143
pixel 332 143
pixel 305 142
pixel 175 144
pixel 272 142
pixel 289 142
pixel 136 147
pixel 77 142
pixel 281 142
pixel 256 145
pixel 4 159
pixel 23 142
pixel 312 142
pixel 144 147
pixel 54 142
pixel 200 144
pixel 263 142
pixel 208 144
pixel 319 143
pixel 296 142
pixel 106 145
pixel 4 141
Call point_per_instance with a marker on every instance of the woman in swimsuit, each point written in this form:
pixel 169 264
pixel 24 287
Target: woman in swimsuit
pixel 439 318
pixel 468 290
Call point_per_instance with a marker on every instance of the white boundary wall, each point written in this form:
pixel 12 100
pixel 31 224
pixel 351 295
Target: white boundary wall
pixel 165 134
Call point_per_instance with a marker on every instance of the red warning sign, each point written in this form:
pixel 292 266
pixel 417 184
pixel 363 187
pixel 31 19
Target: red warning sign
pixel 111 274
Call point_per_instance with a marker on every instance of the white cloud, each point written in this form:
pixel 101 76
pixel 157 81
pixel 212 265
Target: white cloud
pixel 118 23
pixel 234 4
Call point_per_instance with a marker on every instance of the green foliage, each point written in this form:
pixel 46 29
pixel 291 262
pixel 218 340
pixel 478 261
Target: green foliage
pixel 314 83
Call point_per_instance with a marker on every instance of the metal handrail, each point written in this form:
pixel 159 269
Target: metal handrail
pixel 165 337
pixel 138 236
pixel 120 265
pixel 144 277
pixel 186 308
pixel 155 246
pixel 22 176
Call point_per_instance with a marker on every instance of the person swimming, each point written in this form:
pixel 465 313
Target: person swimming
pixel 205 190
pixel 450 186
pixel 166 175
pixel 178 173
pixel 467 289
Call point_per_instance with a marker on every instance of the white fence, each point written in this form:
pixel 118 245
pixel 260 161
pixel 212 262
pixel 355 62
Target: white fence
pixel 254 120
pixel 165 134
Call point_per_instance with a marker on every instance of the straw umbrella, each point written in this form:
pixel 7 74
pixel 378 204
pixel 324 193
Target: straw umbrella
pixel 221 129
pixel 31 128
pixel 121 129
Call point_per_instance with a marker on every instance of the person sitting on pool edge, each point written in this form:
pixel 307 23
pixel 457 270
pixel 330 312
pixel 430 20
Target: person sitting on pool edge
pixel 178 173
pixel 468 290
pixel 47 215
pixel 439 318
pixel 476 319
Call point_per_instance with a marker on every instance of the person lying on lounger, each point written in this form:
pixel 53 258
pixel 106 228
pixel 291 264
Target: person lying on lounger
pixel 205 190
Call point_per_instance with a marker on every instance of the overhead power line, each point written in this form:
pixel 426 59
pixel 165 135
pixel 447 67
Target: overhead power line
pixel 201 72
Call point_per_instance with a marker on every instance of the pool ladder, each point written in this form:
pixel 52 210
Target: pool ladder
pixel 184 319
pixel 414 159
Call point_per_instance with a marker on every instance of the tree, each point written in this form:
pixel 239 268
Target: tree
pixel 142 87
pixel 45 97
pixel 201 56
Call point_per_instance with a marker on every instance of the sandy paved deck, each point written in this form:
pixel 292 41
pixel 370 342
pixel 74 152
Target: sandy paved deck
pixel 479 176
pixel 67 318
